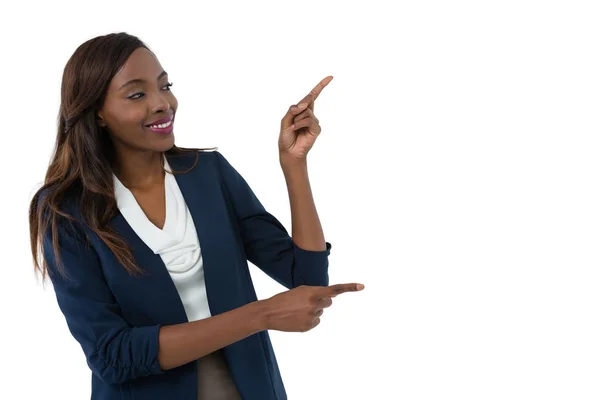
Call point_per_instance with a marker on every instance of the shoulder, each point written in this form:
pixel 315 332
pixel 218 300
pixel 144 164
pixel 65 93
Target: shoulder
pixel 188 158
pixel 63 210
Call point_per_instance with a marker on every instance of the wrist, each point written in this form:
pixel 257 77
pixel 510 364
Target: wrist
pixel 287 161
pixel 261 314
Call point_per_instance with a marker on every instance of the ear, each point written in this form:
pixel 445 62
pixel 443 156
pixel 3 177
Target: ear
pixel 100 121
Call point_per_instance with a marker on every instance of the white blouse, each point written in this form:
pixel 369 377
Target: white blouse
pixel 177 243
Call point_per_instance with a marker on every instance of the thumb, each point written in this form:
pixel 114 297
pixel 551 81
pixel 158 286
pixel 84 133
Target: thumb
pixel 294 110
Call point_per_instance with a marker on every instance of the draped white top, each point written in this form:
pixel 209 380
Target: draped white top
pixel 177 243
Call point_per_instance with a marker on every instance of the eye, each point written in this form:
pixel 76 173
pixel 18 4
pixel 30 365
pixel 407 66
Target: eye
pixel 168 86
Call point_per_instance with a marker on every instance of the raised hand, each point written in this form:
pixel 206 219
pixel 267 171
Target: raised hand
pixel 300 127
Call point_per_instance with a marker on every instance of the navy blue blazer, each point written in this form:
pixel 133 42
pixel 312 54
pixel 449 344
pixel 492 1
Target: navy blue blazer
pixel 116 317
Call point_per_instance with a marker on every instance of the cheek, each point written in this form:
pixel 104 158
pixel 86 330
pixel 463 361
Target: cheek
pixel 128 125
pixel 135 117
pixel 132 124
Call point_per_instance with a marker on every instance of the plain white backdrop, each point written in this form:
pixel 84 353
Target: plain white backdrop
pixel 456 176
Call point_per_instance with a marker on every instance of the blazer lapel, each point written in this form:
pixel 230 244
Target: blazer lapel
pixel 201 190
pixel 156 283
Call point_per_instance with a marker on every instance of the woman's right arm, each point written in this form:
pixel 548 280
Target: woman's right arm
pixel 295 310
pixel 182 343
pixel 118 352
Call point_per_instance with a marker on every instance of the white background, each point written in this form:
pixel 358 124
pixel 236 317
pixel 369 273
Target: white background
pixel 456 176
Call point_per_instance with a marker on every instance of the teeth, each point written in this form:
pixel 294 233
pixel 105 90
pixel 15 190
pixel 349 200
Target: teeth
pixel 161 125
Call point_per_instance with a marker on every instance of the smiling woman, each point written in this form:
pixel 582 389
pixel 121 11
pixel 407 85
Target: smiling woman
pixel 140 102
pixel 147 244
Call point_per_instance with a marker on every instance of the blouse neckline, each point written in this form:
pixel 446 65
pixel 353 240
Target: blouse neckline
pixel 175 214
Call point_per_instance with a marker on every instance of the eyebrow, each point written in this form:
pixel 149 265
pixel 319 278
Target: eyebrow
pixel 141 80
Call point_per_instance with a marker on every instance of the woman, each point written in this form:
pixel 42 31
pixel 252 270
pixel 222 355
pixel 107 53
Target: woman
pixel 147 243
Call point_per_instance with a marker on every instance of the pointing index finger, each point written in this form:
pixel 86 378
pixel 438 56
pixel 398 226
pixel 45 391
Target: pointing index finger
pixel 334 290
pixel 316 91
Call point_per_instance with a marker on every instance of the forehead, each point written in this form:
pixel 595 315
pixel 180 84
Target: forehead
pixel 141 64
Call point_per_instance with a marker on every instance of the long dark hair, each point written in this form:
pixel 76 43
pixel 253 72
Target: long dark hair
pixel 84 152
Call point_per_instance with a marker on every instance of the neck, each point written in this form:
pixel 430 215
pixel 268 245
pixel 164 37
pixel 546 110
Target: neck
pixel 139 169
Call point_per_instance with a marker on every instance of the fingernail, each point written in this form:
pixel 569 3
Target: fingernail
pixel 360 286
pixel 303 105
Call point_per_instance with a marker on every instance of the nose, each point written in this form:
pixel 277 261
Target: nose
pixel 160 103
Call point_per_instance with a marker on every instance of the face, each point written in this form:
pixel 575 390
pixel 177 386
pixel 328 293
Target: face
pixel 130 107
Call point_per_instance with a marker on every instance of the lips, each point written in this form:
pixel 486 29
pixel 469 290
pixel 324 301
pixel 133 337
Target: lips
pixel 161 121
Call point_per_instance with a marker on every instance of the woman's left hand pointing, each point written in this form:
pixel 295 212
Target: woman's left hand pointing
pixel 300 127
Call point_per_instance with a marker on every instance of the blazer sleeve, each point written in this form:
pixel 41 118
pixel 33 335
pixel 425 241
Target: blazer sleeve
pixel 114 350
pixel 266 242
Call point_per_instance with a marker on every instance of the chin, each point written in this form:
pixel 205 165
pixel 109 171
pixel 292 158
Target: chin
pixel 166 143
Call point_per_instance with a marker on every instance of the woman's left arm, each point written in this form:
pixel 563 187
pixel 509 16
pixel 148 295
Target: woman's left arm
pixel 307 232
pixel 301 259
pixel 299 130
